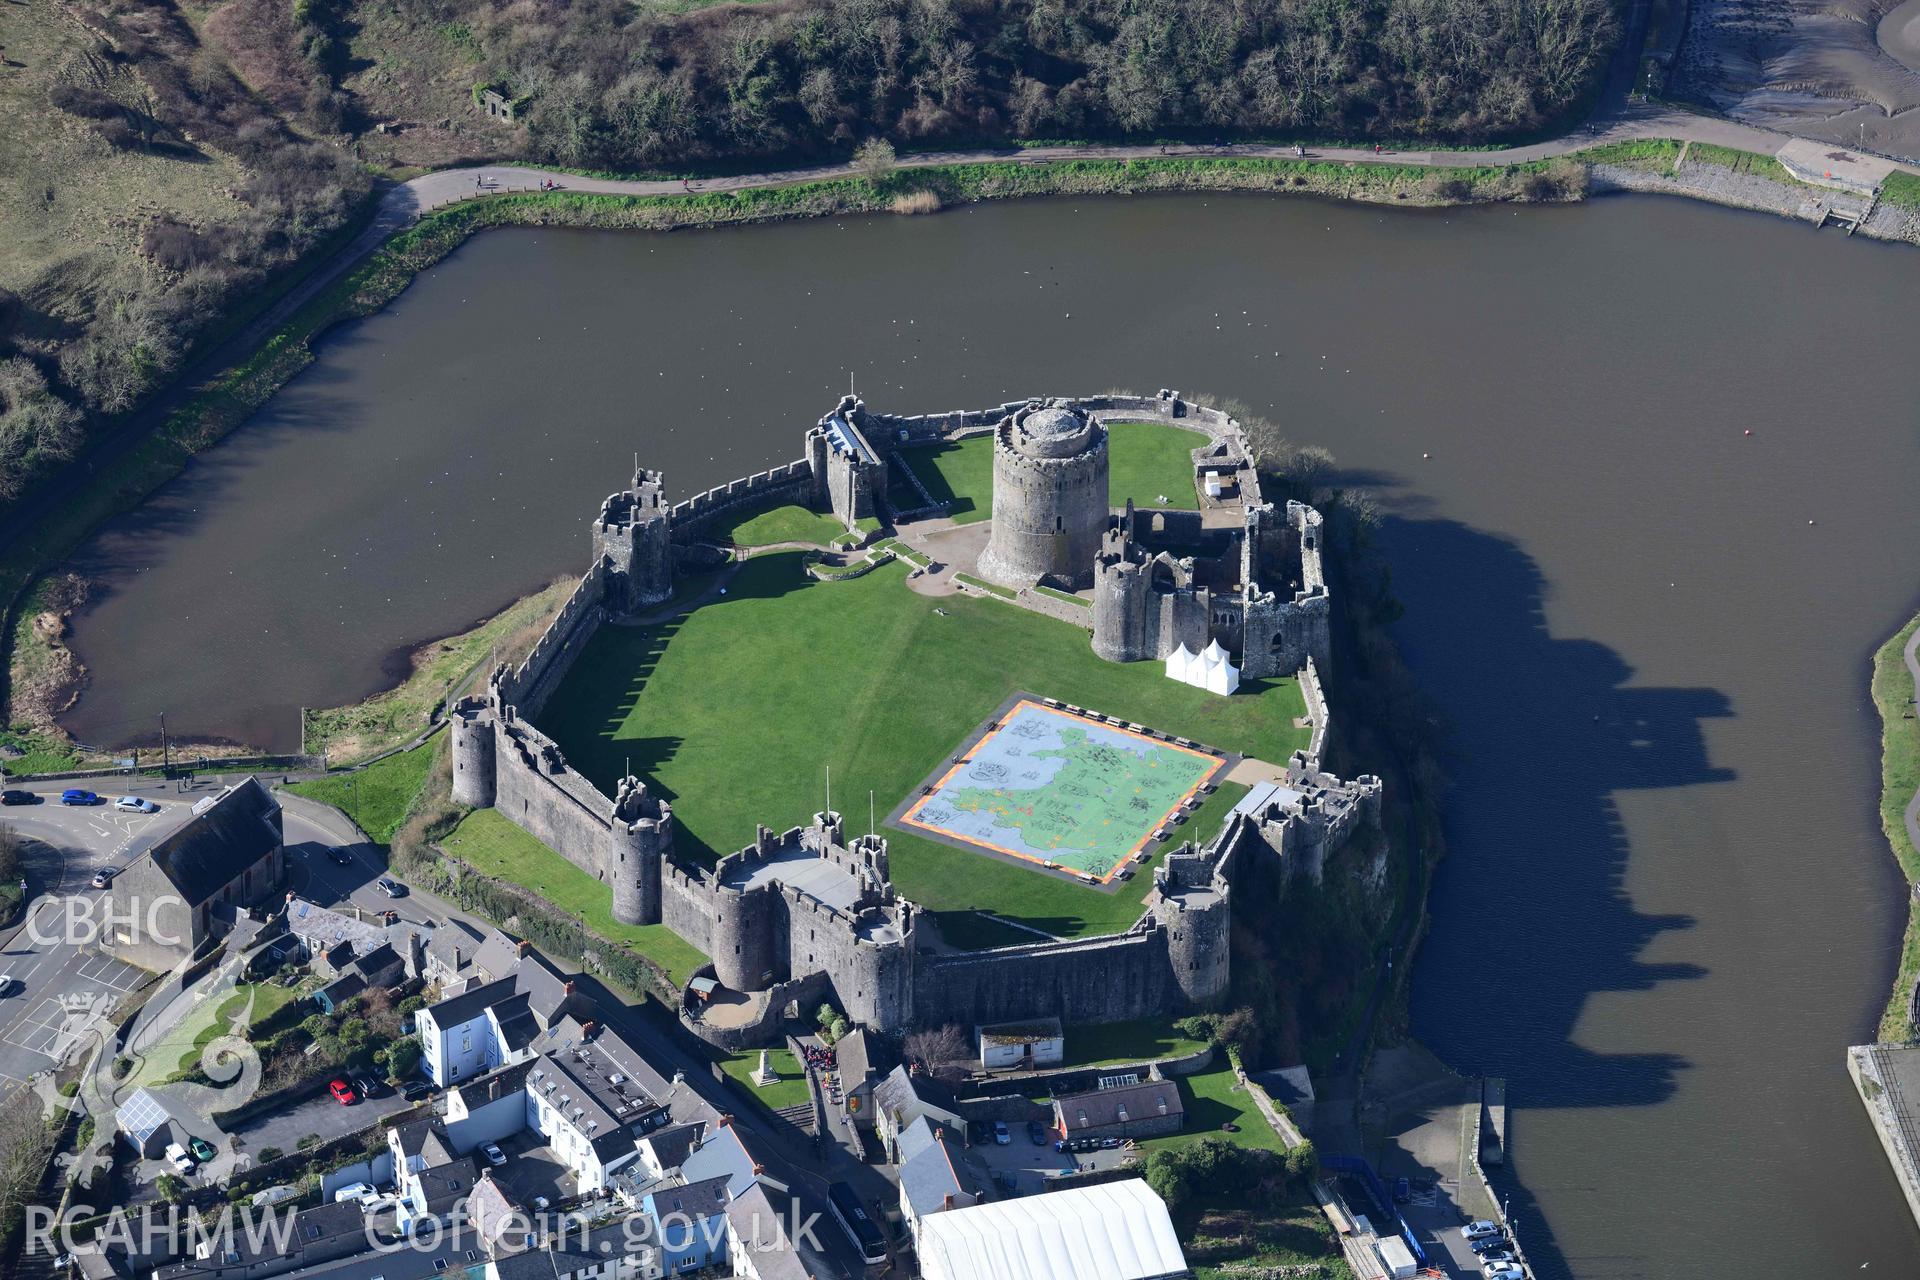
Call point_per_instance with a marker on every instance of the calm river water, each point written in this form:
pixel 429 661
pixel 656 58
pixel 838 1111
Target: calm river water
pixel 1668 906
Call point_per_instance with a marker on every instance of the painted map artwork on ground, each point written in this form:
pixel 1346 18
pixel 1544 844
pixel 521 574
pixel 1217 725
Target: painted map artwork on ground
pixel 1052 786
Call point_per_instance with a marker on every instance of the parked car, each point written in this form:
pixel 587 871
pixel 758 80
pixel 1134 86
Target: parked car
pixel 540 1204
pixel 274 1195
pixel 1480 1229
pixel 391 887
pixel 978 1133
pixel 77 796
pixel 370 1086
pixel 103 878
pixel 11 796
pixel 135 804
pixel 360 1192
pixel 1001 1136
pixel 1502 1254
pixel 1109 1144
pixel 8 984
pixel 495 1156
pixel 202 1149
pixel 177 1157
pixel 342 1092
pixel 1504 1271
pixel 416 1090
pixel 1487 1244
pixel 1038 1132
pixel 339 856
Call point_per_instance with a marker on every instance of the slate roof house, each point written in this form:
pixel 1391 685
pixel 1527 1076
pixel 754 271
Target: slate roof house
pixel 1144 1110
pixel 935 1175
pixel 199 881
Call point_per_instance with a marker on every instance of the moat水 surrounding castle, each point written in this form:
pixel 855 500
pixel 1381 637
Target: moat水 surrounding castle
pixel 811 913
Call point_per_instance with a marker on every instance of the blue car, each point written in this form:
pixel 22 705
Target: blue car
pixel 74 795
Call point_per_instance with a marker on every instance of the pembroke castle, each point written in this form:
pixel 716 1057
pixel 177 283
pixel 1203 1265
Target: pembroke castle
pixel 810 913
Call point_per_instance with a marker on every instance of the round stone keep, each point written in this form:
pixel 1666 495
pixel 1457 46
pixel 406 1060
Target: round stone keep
pixel 1049 496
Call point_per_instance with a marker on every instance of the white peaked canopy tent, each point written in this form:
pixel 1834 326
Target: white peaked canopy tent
pixel 1114 1231
pixel 1216 674
pixel 1180 664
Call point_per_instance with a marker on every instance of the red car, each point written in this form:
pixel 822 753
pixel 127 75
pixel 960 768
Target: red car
pixel 342 1093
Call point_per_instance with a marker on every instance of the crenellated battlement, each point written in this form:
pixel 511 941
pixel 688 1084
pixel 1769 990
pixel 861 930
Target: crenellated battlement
pixel 813 911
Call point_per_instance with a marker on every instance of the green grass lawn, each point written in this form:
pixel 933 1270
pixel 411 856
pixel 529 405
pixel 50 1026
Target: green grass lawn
pixel 781 524
pixel 959 474
pixel 1213 1098
pixel 1144 460
pixel 1116 1042
pixel 791 1091
pixel 179 1051
pixel 488 842
pixel 865 677
pixel 378 796
pixel 1224 1238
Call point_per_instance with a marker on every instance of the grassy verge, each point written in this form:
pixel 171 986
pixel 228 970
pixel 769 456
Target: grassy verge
pixel 351 733
pixel 788 523
pixel 40 753
pixel 791 1090
pixel 1067 596
pixel 1118 1042
pixel 379 796
pixel 645 696
pixel 178 1053
pixel 488 842
pixel 1893 693
pixel 1655 155
pixel 1746 162
pixel 1901 188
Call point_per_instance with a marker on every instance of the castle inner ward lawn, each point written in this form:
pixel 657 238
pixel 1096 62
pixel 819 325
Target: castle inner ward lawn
pixel 734 712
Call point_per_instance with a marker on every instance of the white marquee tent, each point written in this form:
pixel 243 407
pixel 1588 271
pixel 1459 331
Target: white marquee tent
pixel 1114 1231
pixel 1209 670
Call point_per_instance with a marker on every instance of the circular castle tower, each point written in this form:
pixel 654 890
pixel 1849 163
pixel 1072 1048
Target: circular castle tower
pixel 640 837
pixel 1049 496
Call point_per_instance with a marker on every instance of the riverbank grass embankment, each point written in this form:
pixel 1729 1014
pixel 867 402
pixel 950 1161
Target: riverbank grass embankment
pixel 1894 695
pixel 349 734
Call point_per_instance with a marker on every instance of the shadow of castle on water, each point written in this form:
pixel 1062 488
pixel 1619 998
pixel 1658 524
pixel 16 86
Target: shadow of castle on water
pixel 1532 918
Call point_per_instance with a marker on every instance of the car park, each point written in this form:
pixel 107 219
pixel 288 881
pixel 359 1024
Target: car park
pixel 135 804
pixel 495 1156
pixel 342 1092
pixel 177 1157
pixel 11 796
pixel 1001 1136
pixel 78 796
pixel 202 1149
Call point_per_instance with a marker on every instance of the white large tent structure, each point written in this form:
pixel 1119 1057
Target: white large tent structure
pixel 1210 669
pixel 1114 1231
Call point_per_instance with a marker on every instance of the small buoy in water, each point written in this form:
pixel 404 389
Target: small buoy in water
pixel 1809 522
pixel 1747 432
pixel 1426 455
